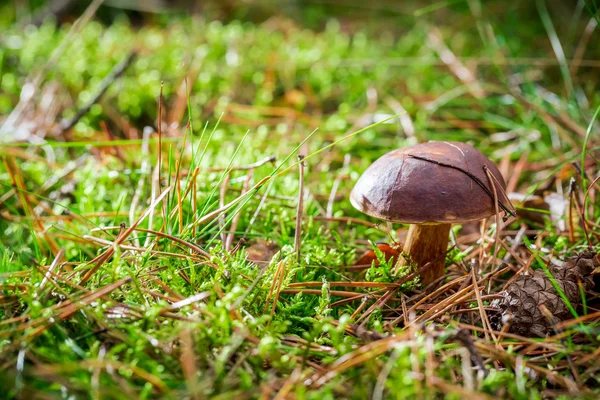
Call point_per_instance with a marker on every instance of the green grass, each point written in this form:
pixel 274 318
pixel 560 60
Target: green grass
pixel 254 90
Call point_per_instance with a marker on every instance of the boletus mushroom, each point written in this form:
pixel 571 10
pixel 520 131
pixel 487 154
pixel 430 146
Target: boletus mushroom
pixel 431 186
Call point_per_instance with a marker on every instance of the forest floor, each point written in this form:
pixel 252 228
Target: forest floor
pixel 161 239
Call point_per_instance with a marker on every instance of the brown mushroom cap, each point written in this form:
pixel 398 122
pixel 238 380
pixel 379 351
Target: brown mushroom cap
pixel 402 186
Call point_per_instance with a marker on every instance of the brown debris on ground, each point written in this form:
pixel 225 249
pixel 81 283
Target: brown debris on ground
pixel 262 252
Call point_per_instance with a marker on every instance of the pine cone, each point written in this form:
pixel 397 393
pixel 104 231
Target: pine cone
pixel 522 299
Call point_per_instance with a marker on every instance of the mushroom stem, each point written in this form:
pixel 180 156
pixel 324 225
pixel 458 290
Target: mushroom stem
pixel 427 244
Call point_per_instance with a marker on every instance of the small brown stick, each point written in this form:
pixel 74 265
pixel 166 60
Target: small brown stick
pixel 300 209
pixel 116 72
pixel 572 189
pixel 357 296
pixel 466 310
pixel 318 292
pixel 51 269
pixel 278 281
pixel 437 292
pixel 359 309
pixel 405 314
pixel 505 267
pixel 566 324
pixel 493 181
pixel 504 335
pixel 516 243
pixel 484 318
pixel 336 185
pixel 584 209
pixel 445 305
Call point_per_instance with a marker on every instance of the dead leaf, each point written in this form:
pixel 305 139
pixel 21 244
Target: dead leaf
pixel 262 252
pixel 369 256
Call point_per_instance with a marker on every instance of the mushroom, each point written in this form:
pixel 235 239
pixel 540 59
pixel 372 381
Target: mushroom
pixel 430 186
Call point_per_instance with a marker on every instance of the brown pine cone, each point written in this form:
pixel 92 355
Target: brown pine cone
pixel 520 305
